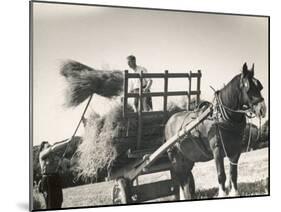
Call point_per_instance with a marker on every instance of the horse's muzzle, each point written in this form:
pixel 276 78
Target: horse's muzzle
pixel 260 109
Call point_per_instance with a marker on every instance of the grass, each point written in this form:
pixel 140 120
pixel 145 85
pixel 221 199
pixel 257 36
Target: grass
pixel 86 195
pixel 245 189
pixel 253 170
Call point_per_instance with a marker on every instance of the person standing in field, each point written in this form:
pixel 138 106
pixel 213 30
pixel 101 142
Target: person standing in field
pixel 134 84
pixel 51 183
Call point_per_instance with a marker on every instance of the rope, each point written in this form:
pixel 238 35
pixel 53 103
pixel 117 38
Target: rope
pixel 250 135
pixel 259 134
pixel 224 149
pixel 221 139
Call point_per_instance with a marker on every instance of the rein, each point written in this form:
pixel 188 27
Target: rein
pixel 250 134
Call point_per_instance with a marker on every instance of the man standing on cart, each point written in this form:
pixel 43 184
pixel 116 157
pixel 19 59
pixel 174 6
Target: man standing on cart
pixel 134 84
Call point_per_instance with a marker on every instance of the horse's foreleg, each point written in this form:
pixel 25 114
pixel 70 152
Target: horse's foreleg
pixel 219 161
pixel 176 172
pixel 187 188
pixel 183 180
pixel 180 179
pixel 190 186
pixel 233 188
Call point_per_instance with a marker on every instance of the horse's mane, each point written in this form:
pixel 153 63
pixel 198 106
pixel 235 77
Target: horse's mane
pixel 231 94
pixel 231 97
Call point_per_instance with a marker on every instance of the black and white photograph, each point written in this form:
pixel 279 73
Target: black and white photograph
pixel 135 105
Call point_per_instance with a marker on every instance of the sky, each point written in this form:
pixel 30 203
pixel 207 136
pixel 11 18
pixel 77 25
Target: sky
pixel 102 37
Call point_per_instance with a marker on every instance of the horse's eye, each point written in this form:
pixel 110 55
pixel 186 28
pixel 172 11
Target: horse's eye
pixel 246 85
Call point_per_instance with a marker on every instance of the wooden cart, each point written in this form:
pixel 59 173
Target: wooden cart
pixel 146 161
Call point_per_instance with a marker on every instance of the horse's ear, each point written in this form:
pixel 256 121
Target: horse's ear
pixel 253 67
pixel 245 70
pixel 252 71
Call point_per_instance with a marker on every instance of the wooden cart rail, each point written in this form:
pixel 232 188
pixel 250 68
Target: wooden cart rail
pixel 163 75
pixel 165 94
pixel 166 76
pixel 157 94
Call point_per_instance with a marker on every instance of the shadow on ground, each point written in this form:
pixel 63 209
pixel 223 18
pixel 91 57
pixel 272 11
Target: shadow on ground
pixel 245 189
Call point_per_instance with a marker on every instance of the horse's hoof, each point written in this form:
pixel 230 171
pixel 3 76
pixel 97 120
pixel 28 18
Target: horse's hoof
pixel 228 185
pixel 221 194
pixel 233 193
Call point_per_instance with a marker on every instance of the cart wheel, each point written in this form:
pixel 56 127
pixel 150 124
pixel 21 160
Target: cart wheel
pixel 121 192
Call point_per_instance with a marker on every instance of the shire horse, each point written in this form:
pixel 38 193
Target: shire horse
pixel 219 136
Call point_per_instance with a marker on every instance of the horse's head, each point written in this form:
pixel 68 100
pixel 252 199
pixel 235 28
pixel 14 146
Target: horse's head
pixel 251 91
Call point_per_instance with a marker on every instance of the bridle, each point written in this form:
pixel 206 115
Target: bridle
pixel 248 112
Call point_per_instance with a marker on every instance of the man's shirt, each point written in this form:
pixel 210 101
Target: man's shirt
pixel 134 83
